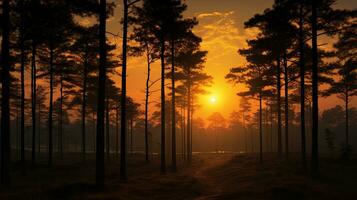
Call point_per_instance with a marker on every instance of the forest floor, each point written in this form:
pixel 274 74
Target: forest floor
pixel 210 176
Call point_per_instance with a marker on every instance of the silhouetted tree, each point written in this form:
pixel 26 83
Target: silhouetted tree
pixel 315 108
pixel 346 86
pixel 244 106
pixel 217 122
pixel 154 11
pixel 5 94
pixel 100 171
pixel 147 45
pixel 192 77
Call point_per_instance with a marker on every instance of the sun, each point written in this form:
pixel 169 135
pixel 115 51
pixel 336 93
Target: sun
pixel 213 100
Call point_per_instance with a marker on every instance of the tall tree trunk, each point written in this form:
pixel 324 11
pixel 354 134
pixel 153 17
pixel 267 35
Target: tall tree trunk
pixel 184 132
pixel 39 128
pixel 173 112
pixel 22 47
pixel 100 168
pixel 60 137
pixel 347 116
pixel 18 124
pixel 278 87
pixel 267 128
pixel 84 103
pixel 123 170
pixel 245 133
pixel 191 128
pixel 188 132
pixel 5 94
pixel 117 132
pixel 147 104
pixel 93 131
pixel 260 129
pixel 107 125
pixel 131 137
pixel 302 86
pixel 271 129
pixel 33 98
pixel 162 56
pixel 286 104
pixel 50 144
pixel 315 106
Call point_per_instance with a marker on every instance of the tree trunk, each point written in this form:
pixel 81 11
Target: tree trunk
pixel 245 133
pixel 162 56
pixel 123 121
pixel 39 129
pixel 191 129
pixel 267 128
pixel 50 144
pixel 188 132
pixel 60 137
pixel 315 108
pixel 147 104
pixel 260 129
pixel 100 168
pixel 173 112
pixel 33 98
pixel 22 47
pixel 347 116
pixel 5 94
pixel 131 137
pixel 302 87
pixel 84 103
pixel 117 133
pixel 278 87
pixel 271 129
pixel 286 104
pixel 107 125
pixel 183 133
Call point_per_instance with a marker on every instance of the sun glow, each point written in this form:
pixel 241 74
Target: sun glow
pixel 213 100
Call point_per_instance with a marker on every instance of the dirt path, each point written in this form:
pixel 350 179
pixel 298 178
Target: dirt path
pixel 213 189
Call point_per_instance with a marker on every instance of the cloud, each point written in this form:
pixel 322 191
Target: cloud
pixel 214 14
pixel 221 36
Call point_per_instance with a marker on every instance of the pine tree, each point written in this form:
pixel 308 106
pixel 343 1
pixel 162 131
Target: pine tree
pixel 5 94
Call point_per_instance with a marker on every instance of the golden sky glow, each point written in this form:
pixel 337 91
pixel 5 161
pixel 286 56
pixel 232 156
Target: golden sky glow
pixel 221 28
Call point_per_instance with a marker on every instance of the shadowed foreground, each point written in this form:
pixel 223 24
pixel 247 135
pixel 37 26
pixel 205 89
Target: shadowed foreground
pixel 209 177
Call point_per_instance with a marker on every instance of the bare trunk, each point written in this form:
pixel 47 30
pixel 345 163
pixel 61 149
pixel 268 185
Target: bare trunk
pixel 163 156
pixel 315 106
pixel 84 103
pixel 117 133
pixel 278 87
pixel 260 129
pixel 50 144
pixel 5 94
pixel 123 121
pixel 33 99
pixel 302 87
pixel 286 104
pixel 107 125
pixel 188 132
pixel 147 105
pixel 347 116
pixel 131 137
pixel 22 47
pixel 173 112
pixel 100 166
pixel 60 137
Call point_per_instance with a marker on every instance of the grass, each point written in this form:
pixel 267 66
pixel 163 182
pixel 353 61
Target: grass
pixel 210 176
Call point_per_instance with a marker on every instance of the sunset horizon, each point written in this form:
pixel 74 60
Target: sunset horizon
pixel 178 99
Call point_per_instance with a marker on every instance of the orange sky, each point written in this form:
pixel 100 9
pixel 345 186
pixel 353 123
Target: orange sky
pixel 221 28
